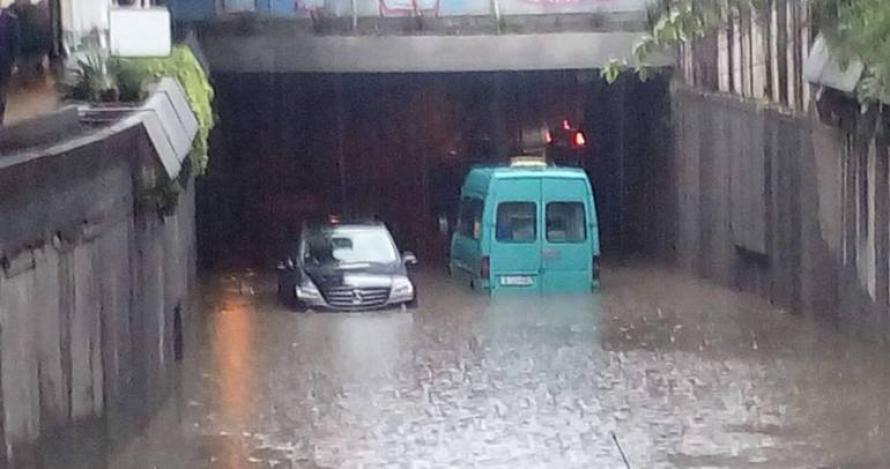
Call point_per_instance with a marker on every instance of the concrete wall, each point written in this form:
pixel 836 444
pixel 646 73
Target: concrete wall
pixel 780 205
pixel 88 289
pixel 276 51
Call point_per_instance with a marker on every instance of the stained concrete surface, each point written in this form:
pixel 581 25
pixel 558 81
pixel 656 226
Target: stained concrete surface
pixel 26 101
pixel 683 373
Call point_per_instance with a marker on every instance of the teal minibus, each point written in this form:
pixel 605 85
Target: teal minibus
pixel 526 227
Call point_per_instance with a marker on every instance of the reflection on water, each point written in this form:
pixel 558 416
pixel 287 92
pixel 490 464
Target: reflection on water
pixel 232 350
pixel 369 346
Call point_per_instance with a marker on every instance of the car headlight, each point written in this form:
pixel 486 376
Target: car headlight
pixel 402 286
pixel 307 289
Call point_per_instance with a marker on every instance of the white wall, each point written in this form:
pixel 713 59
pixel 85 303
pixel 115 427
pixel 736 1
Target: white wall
pixel 79 17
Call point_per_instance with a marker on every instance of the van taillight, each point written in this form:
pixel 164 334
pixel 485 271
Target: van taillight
pixel 485 268
pixel 596 267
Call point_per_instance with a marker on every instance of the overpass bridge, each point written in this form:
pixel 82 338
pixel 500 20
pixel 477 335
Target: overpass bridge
pixel 399 36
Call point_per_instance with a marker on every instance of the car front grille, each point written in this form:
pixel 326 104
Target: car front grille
pixel 355 298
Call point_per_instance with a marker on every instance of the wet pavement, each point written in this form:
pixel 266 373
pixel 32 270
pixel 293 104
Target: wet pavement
pixel 28 100
pixel 674 371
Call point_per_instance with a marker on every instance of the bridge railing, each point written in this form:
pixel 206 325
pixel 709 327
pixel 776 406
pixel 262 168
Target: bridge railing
pixel 355 11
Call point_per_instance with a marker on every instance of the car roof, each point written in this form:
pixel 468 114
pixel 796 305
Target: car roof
pixel 347 226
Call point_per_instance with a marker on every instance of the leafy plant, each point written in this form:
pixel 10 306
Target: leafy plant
pixel 91 80
pixel 163 198
pixel 130 82
pixel 133 74
pixel 860 30
pixel 854 30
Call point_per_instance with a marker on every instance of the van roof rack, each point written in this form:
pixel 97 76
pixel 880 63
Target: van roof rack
pixel 528 161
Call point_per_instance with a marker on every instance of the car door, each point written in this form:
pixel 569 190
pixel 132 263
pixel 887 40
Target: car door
pixel 567 253
pixel 515 241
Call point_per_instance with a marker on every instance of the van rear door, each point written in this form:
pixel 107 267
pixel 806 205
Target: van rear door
pixel 515 242
pixel 567 247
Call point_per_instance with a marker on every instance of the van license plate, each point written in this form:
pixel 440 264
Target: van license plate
pixel 517 280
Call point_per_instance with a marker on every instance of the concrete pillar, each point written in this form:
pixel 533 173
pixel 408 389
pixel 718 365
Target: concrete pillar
pixel 736 64
pixel 759 48
pixel 792 53
pixel 724 58
pixel 774 49
pixel 745 33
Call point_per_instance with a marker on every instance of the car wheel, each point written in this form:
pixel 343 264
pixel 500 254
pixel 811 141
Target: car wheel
pixel 287 298
pixel 413 304
pixel 282 291
pixel 298 306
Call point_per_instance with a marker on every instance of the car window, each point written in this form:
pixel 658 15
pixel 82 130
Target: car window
pixel 517 222
pixel 566 222
pixel 350 246
pixel 469 223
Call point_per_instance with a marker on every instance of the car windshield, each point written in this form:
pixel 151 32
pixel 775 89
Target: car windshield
pixel 350 246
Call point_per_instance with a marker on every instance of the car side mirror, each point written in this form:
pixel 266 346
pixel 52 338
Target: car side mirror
pixel 287 264
pixel 443 224
pixel 408 258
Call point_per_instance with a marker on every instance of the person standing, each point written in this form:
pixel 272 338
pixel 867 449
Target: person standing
pixel 10 43
pixel 35 40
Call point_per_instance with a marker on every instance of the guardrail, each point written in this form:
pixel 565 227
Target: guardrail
pixel 356 10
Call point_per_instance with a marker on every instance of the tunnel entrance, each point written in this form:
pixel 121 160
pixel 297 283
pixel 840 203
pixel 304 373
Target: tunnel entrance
pixel 397 146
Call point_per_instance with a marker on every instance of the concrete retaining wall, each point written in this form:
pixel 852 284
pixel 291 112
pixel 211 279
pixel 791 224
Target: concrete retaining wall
pixel 89 287
pixel 780 205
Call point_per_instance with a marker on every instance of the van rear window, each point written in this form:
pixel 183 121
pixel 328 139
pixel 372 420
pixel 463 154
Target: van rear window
pixel 566 222
pixel 517 222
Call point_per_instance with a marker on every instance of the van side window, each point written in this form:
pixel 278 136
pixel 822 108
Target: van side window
pixel 566 222
pixel 517 222
pixel 469 222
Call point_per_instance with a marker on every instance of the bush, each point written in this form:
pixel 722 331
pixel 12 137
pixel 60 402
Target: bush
pixel 91 80
pixel 133 74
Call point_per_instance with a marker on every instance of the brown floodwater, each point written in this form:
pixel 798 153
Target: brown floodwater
pixel 675 371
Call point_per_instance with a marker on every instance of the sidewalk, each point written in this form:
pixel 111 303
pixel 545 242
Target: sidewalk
pixel 32 99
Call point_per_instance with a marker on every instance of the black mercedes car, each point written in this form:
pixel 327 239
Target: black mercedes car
pixel 348 267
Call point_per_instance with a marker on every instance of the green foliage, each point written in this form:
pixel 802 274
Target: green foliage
pixel 612 70
pixel 133 74
pixel 100 79
pixel 854 29
pixel 91 80
pixel 860 30
pixel 162 198
pixel 676 22
pixel 130 82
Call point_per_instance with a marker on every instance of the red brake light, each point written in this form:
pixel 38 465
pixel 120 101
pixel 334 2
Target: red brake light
pixel 485 268
pixel 579 139
pixel 566 125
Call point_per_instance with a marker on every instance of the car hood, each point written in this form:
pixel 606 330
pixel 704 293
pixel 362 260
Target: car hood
pixel 354 275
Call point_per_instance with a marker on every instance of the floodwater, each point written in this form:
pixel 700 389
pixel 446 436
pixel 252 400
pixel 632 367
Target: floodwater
pixel 670 370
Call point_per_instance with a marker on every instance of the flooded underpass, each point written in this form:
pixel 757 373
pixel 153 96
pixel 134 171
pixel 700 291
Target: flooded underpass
pixel 669 370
